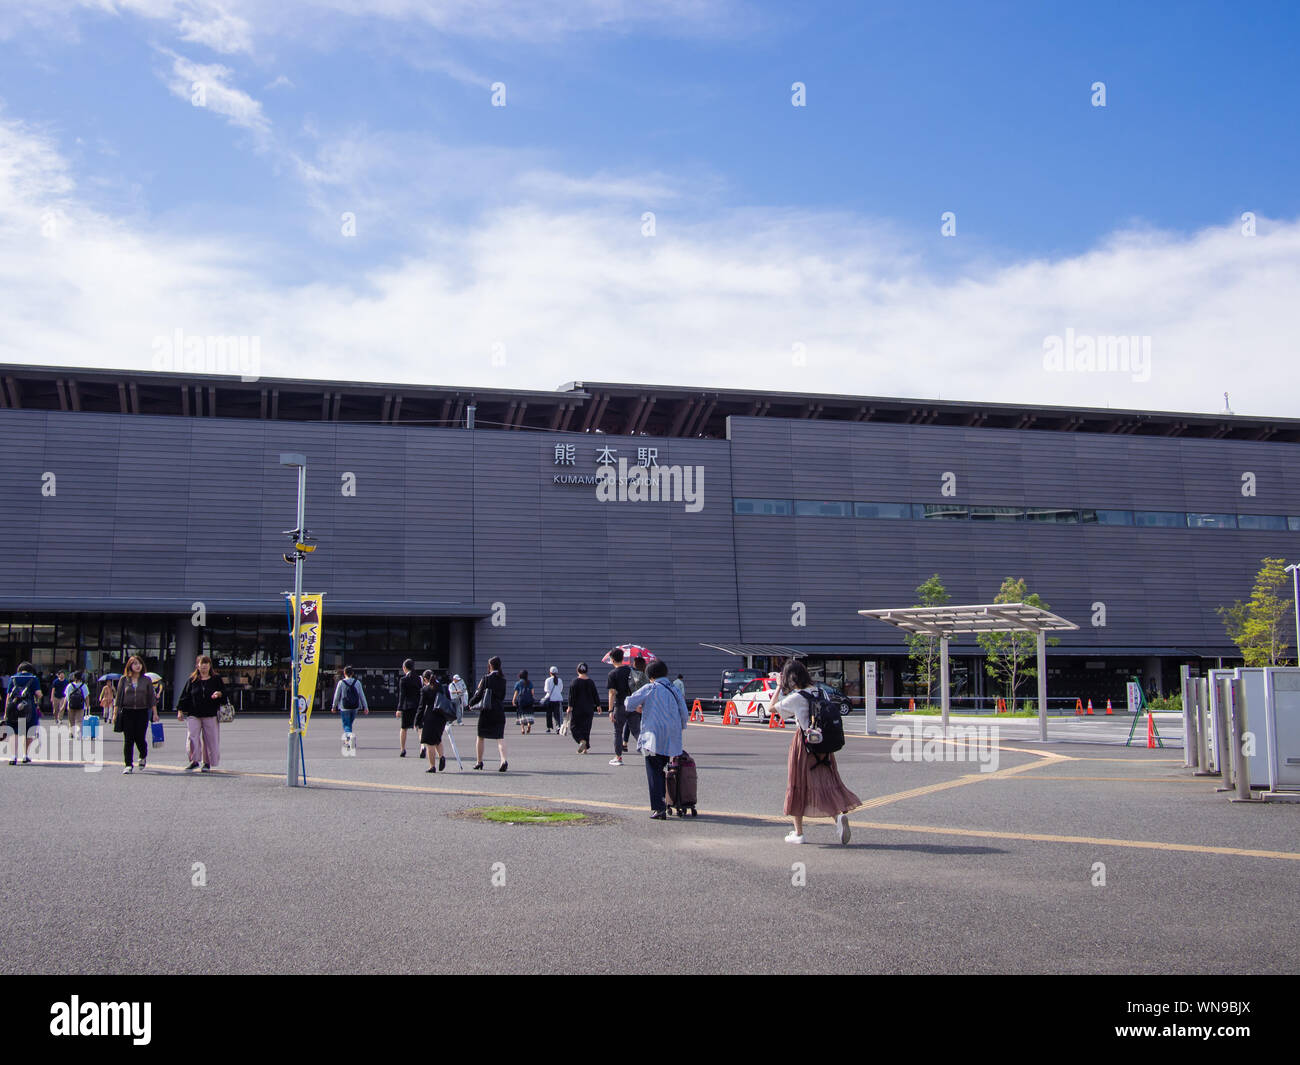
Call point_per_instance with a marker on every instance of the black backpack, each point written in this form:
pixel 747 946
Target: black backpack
pixel 826 734
pixel 351 700
pixel 19 703
pixel 76 696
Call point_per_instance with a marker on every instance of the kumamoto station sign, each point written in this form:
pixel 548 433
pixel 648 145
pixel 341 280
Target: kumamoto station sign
pixel 567 456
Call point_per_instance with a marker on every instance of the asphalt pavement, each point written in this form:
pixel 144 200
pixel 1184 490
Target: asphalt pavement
pixel 374 866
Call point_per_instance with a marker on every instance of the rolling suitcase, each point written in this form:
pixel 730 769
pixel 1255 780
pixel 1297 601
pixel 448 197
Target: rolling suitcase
pixel 90 725
pixel 681 784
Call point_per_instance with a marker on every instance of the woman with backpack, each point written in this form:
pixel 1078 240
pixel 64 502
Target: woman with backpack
pixel 349 697
pixel 197 705
pixel 813 785
pixel 76 701
pixel 490 697
pixel 23 711
pixel 522 700
pixel 431 716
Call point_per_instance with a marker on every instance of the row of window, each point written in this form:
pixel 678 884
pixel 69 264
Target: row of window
pixel 1176 519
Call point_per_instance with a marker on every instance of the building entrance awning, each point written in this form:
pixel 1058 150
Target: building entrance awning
pixel 750 650
pixel 943 622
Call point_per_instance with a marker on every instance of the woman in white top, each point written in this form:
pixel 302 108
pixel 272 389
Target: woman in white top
pixel 813 784
pixel 553 697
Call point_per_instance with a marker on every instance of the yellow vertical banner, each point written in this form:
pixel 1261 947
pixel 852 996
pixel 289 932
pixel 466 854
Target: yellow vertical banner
pixel 306 656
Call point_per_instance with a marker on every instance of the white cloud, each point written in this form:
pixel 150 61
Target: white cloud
pixel 231 26
pixel 575 291
pixel 205 85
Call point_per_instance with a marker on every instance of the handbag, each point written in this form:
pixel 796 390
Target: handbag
pixel 566 723
pixel 226 713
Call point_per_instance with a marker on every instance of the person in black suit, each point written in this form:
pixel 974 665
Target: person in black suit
pixel 408 701
pixel 491 692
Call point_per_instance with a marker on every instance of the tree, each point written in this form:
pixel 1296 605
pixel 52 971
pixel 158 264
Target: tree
pixel 1012 657
pixel 923 648
pixel 1260 627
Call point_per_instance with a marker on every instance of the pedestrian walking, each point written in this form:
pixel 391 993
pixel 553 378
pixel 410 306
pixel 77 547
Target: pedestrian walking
pixel 59 695
pixel 635 682
pixel 76 698
pixel 490 697
pixel 553 697
pixel 197 705
pixel 663 718
pixel 459 697
pixel 137 706
pixel 680 685
pixel 408 702
pixel 107 701
pixel 584 701
pixel 617 689
pixel 23 711
pixel 432 720
pixel 813 784
pixel 522 700
pixel 349 697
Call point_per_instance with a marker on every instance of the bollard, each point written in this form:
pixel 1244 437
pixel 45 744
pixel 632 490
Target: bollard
pixel 1237 715
pixel 1203 726
pixel 1190 747
pixel 1227 764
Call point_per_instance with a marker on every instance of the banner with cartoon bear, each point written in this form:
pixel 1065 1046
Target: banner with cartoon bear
pixel 306 657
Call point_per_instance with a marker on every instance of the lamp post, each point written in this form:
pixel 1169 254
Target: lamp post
pixel 293 768
pixel 1294 570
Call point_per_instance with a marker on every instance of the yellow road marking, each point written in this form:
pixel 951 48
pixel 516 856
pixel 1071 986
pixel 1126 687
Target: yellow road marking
pixel 722 815
pixel 1136 780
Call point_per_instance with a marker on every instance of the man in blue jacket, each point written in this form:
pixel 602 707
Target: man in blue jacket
pixel 663 717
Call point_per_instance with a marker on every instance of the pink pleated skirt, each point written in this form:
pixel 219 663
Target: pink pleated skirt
pixel 814 790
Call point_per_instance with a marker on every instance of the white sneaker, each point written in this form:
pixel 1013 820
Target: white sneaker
pixel 127 770
pixel 842 823
pixel 616 761
pixel 794 837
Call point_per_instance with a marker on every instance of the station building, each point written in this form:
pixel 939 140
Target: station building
pixel 144 513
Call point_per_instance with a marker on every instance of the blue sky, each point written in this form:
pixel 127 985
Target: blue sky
pixel 520 227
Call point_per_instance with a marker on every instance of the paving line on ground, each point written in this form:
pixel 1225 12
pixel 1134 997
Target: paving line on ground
pixel 725 815
pixel 1126 780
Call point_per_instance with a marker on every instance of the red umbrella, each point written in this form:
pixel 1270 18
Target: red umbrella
pixel 631 651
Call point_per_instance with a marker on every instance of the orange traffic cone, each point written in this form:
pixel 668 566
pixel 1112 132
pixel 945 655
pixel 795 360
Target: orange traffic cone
pixel 697 712
pixel 772 721
pixel 911 704
pixel 1078 707
pixel 1109 709
pixel 1151 731
pixel 730 715
pixel 1089 706
pixel 1002 706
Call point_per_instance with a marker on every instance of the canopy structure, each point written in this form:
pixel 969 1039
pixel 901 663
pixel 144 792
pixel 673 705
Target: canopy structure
pixel 947 621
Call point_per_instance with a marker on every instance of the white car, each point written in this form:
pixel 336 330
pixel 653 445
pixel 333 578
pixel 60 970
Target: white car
pixel 753 699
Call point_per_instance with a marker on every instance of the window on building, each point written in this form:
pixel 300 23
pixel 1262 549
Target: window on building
pixel 945 511
pixel 1262 521
pixel 983 513
pixel 769 507
pixel 818 508
pixel 1167 519
pixel 1052 515
pixel 882 510
pixel 1211 521
pixel 1106 517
